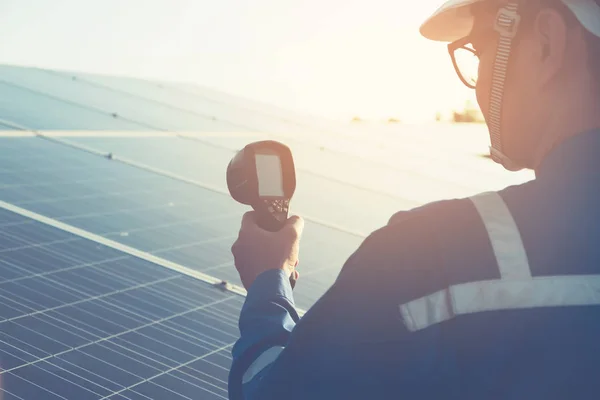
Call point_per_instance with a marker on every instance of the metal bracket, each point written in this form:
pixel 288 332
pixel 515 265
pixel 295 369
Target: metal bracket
pixel 507 22
pixel 223 286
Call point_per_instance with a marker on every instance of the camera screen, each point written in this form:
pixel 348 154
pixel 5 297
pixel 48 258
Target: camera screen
pixel 270 175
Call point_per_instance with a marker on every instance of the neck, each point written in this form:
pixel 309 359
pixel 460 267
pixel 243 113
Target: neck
pixel 574 115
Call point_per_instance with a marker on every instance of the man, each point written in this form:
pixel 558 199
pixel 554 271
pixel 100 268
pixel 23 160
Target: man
pixel 494 296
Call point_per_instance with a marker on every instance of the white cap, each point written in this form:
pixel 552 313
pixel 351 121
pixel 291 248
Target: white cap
pixel 454 20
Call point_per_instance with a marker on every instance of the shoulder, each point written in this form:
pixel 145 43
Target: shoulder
pixel 446 211
pixel 433 224
pixel 410 251
pixel 427 249
pixel 436 210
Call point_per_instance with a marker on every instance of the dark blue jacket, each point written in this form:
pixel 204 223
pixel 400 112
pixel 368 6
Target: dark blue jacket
pixel 495 296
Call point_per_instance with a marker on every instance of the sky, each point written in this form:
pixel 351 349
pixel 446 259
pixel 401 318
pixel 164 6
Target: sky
pixel 334 58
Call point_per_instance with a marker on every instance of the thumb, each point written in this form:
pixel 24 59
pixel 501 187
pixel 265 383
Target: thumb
pixel 296 223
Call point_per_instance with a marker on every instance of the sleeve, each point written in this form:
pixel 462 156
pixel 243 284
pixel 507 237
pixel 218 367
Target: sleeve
pixel 353 342
pixel 266 321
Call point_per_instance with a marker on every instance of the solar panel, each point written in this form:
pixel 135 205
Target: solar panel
pixel 142 111
pixel 177 221
pixel 177 100
pixel 82 320
pixel 23 106
pixel 206 164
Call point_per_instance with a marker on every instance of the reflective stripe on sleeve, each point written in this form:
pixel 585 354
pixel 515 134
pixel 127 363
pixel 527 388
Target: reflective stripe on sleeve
pixel 515 290
pixel 264 360
pixel 473 297
pixel 504 236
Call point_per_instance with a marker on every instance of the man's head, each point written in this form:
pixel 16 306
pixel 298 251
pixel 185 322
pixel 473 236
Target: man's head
pixel 550 85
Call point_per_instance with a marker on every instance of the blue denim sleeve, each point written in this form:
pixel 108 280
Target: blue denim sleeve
pixel 266 322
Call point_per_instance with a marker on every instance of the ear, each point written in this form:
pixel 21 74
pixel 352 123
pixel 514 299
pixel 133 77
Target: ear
pixel 550 44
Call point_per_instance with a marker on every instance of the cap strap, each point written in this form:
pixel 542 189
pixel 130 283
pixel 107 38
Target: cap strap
pixel 506 24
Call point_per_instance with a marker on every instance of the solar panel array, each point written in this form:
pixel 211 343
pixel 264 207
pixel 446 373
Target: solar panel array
pixel 115 224
pixel 84 321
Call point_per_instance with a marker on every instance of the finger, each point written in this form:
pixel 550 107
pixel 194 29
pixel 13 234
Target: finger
pixel 296 275
pixel 249 219
pixel 235 250
pixel 296 223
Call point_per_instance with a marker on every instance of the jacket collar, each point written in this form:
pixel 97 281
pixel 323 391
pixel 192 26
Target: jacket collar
pixel 577 155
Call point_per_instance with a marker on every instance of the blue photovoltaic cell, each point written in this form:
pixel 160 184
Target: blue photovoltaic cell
pixel 177 221
pixel 79 320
